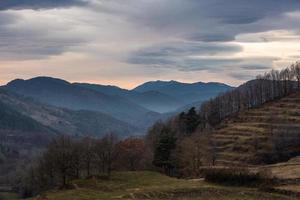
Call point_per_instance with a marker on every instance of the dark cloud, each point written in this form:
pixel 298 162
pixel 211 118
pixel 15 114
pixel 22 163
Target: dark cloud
pixel 242 75
pixel 255 67
pixel 203 20
pixel 199 56
pixel 181 49
pixel 18 41
pixel 180 55
pixel 240 64
pixel 210 37
pixel 6 19
pixel 39 4
pixel 204 31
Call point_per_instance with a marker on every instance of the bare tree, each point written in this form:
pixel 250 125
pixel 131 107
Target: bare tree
pixel 88 154
pixel 131 153
pixel 296 71
pixel 59 157
pixel 106 152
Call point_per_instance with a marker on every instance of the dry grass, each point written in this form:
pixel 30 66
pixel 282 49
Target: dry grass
pixel 242 137
pixel 285 170
pixel 150 185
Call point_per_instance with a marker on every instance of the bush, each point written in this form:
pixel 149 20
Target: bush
pixel 236 177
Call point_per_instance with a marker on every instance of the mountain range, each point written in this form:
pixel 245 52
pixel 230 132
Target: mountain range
pixel 34 111
pixel 89 109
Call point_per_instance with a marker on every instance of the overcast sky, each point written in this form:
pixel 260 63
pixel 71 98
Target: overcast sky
pixel 127 42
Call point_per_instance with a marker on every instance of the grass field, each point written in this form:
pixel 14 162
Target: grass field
pixel 8 196
pixel 151 185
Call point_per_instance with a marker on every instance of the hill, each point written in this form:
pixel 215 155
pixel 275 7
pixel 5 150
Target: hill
pixel 266 134
pixel 16 129
pixel 60 120
pixel 185 92
pixel 61 93
pixel 151 185
pixel 140 107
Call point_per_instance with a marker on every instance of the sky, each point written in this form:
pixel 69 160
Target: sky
pixel 128 42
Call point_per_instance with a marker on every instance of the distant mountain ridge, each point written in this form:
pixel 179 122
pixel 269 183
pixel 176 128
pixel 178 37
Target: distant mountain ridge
pixel 139 107
pixel 151 100
pixel 61 93
pixel 25 114
pixel 186 92
pixel 165 96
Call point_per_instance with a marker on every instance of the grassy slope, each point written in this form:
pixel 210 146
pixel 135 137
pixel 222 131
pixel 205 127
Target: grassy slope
pixel 288 172
pixel 241 139
pixel 151 185
pixel 8 196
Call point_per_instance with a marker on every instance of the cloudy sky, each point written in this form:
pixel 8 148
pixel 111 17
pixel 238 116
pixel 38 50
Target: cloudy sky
pixel 127 42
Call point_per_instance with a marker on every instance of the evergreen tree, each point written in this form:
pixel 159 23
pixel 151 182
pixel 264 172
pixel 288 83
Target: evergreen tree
pixel 163 151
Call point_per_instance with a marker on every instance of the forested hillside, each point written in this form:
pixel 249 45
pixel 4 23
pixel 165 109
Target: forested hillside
pixel 255 123
pixel 64 121
pixel 185 92
pixel 60 93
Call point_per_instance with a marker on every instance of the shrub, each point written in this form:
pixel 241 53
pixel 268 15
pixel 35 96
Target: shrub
pixel 236 176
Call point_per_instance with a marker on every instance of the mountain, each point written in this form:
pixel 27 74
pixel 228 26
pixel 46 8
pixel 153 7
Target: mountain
pixel 164 96
pixel 151 100
pixel 61 93
pixel 157 101
pixel 138 108
pixel 105 89
pixel 185 92
pixel 59 120
pixel 27 126
pixel 17 129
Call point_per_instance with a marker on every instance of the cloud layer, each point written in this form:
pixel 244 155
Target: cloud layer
pixel 39 4
pixel 135 40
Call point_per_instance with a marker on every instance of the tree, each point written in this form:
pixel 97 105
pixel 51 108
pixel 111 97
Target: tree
pixel 106 152
pixel 196 151
pixel 78 154
pixel 59 157
pixel 87 147
pixel 163 151
pixel 296 71
pixel 131 153
pixel 192 120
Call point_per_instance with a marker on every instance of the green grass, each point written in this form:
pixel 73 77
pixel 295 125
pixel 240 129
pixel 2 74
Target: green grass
pixel 151 185
pixel 8 196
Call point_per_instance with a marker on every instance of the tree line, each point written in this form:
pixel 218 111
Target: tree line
pixel 66 159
